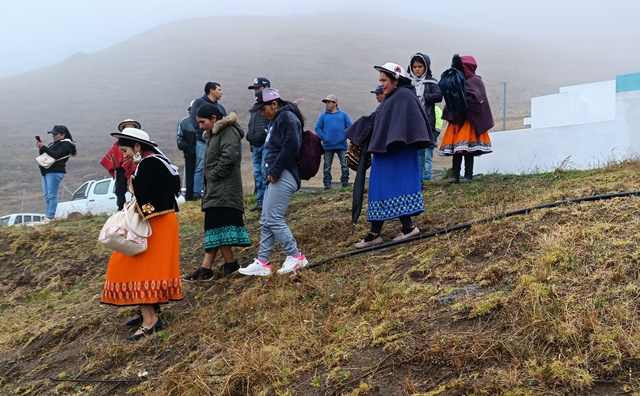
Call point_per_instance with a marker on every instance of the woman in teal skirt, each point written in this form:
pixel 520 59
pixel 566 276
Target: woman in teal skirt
pixel 222 202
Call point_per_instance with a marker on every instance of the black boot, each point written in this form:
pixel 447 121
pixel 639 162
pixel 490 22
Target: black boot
pixel 455 169
pixel 468 168
pixel 230 268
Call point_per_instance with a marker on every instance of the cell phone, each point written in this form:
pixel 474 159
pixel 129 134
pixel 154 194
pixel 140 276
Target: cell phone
pixel 38 138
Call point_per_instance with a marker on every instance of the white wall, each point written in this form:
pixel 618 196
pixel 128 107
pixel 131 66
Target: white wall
pixel 582 127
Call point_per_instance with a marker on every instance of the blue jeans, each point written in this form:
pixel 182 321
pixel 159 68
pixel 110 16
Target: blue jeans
pixel 272 226
pixel 328 161
pixel 425 158
pixel 50 186
pixel 257 172
pixel 198 175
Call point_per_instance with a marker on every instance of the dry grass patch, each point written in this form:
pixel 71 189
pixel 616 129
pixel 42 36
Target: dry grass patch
pixel 538 303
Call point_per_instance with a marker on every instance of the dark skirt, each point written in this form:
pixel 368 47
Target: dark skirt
pixel 224 227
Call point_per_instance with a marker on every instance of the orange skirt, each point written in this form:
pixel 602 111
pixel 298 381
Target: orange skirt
pixel 463 140
pixel 151 277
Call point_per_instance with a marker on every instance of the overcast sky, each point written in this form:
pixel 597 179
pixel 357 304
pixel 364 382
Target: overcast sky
pixel 36 33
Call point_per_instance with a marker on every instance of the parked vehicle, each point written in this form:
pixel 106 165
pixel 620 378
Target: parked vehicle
pixel 93 197
pixel 21 219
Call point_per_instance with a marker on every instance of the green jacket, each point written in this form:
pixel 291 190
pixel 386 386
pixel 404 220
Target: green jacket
pixel 222 177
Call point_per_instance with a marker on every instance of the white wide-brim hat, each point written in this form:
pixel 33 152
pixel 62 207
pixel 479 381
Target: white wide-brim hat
pixel 135 134
pixel 394 69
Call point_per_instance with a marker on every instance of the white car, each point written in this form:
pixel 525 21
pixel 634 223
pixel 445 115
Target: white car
pixel 93 197
pixel 21 219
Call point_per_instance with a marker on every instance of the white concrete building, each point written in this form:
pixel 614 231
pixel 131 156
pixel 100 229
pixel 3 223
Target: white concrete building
pixel 581 127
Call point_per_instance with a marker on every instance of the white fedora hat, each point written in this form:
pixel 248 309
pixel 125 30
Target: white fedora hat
pixel 394 69
pixel 135 134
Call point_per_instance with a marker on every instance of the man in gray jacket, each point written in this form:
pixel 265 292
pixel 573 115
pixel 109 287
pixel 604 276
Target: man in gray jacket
pixel 256 135
pixel 186 140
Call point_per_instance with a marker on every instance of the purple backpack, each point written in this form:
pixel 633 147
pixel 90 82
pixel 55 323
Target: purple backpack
pixel 310 154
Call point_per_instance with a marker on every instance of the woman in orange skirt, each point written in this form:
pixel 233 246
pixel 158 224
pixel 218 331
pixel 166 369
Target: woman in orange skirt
pixel 152 277
pixel 467 134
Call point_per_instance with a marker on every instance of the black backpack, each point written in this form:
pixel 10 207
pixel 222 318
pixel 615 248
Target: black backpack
pixel 452 87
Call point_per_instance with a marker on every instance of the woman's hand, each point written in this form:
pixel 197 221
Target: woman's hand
pixel 40 144
pixel 271 179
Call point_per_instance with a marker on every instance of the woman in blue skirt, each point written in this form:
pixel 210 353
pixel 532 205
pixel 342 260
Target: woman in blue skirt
pixel 399 130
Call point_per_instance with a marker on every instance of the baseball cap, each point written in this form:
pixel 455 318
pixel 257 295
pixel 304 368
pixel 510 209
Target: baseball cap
pixel 58 129
pixel 378 90
pixel 330 98
pixel 264 96
pixel 260 82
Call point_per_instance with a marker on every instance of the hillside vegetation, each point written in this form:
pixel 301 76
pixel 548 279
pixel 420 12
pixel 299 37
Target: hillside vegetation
pixel 544 303
pixel 153 76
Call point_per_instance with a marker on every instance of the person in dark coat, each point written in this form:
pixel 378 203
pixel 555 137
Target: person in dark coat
pixel 400 129
pixel 467 134
pixel 282 179
pixel 429 94
pixel 212 95
pixel 256 135
pixel 186 140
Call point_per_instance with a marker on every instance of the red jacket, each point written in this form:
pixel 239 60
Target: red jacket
pixel 114 159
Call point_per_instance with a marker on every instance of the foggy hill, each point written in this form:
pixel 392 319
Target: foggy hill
pixel 153 76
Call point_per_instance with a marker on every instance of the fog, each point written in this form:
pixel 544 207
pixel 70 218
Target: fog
pixel 36 33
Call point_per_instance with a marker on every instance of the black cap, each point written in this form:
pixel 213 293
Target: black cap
pixel 57 129
pixel 378 90
pixel 260 82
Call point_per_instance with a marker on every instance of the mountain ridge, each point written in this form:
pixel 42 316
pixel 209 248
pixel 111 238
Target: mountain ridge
pixel 155 74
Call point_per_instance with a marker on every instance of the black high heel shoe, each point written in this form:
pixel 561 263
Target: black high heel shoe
pixel 146 332
pixel 136 320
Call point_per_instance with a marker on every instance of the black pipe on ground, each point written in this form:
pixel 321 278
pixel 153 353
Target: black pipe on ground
pixel 468 225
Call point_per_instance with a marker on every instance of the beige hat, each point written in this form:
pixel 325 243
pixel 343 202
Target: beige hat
pixel 330 98
pixel 128 121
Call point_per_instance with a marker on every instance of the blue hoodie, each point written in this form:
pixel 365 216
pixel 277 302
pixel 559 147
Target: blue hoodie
pixel 330 127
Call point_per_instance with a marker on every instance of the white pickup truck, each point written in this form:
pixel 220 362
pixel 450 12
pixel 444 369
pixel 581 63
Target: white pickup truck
pixel 93 197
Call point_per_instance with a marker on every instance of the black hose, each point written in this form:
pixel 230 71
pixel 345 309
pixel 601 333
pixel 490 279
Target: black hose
pixel 468 225
pixel 96 380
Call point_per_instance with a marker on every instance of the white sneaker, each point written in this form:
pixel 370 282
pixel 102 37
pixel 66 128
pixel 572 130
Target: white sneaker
pixel 292 264
pixel 46 220
pixel 256 268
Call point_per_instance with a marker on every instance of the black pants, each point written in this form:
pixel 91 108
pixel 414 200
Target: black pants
pixel 121 188
pixel 190 170
pixel 376 226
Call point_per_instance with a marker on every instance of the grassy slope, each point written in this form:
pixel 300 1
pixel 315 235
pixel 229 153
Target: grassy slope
pixel 552 307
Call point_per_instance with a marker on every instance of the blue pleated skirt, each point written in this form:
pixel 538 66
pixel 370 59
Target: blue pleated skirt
pixel 395 185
